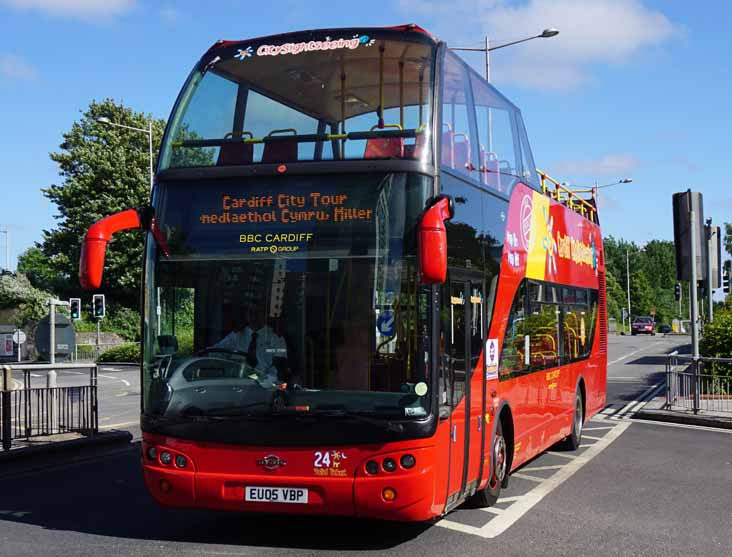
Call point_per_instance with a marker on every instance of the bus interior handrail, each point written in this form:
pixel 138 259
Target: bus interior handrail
pixel 570 197
pixel 302 138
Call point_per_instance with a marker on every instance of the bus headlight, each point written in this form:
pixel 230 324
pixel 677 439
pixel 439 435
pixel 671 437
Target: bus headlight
pixel 407 461
pixel 166 458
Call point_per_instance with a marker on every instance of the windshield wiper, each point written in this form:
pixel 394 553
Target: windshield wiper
pixel 360 416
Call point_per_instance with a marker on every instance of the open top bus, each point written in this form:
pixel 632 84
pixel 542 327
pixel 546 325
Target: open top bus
pixel 359 295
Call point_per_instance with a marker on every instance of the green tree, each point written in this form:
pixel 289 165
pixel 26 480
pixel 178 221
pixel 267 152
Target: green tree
pixel 17 293
pixel 615 297
pixel 104 170
pixel 40 270
pixel 728 238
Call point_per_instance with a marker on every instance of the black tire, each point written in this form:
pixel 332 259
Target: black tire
pixel 488 496
pixel 573 440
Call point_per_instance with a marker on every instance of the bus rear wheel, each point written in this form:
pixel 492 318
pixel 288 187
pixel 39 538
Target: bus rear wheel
pixel 488 496
pixel 573 440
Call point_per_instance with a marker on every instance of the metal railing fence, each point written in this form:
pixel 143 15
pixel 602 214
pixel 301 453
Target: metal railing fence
pixel 91 352
pixel 688 387
pixel 36 411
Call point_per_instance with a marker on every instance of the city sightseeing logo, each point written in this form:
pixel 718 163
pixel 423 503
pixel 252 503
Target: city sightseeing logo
pixel 310 46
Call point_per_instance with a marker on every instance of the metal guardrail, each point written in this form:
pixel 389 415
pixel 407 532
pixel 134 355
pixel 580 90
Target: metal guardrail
pixel 91 352
pixel 690 388
pixel 41 411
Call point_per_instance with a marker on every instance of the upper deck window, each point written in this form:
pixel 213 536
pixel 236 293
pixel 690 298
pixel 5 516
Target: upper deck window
pixel 330 98
pixel 483 137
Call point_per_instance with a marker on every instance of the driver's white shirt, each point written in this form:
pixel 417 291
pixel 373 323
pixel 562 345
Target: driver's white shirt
pixel 236 340
pixel 270 345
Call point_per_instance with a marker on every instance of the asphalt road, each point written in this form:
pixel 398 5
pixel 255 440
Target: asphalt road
pixel 633 488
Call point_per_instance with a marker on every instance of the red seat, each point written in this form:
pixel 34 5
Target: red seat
pixel 415 151
pixel 448 150
pixel 461 150
pixel 280 151
pixel 235 153
pixel 491 175
pixel 384 148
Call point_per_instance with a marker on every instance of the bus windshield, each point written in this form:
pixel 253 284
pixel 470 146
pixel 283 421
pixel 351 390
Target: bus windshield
pixel 296 294
pixel 304 98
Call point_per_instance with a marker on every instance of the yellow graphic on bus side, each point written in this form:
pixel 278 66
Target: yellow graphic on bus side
pixel 536 256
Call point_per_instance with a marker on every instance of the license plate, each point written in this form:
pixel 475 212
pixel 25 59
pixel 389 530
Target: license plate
pixel 261 494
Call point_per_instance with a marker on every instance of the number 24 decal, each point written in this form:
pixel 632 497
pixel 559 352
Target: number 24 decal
pixel 322 459
pixel 328 459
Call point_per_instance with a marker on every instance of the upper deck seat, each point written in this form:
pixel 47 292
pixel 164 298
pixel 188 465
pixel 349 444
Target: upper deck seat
pixel 280 151
pixel 384 148
pixel 461 152
pixel 416 150
pixel 448 151
pixel 235 153
pixel 491 174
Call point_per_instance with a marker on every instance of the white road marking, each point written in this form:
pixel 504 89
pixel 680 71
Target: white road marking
pixel 565 455
pixel 123 393
pixel 492 510
pixel 630 408
pixel 502 522
pixel 590 436
pixel 510 499
pixel 540 468
pixel 113 369
pixel 684 426
pixel 529 477
pixel 35 375
pixel 598 428
pixel 621 358
pixel 123 424
pixel 127 383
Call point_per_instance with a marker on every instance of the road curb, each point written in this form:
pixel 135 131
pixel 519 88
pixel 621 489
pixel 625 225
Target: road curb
pixel 686 419
pixel 104 439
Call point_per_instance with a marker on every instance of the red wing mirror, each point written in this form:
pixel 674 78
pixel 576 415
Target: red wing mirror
pixel 91 263
pixel 432 240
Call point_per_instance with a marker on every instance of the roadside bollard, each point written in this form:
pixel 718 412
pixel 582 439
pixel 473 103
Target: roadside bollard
pixel 51 379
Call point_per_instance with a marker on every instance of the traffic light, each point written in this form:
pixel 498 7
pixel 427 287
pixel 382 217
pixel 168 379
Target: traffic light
pixel 726 281
pixel 98 305
pixel 677 291
pixel 75 306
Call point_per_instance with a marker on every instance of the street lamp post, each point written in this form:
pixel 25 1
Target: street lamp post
pixel 6 231
pixel 545 34
pixel 148 131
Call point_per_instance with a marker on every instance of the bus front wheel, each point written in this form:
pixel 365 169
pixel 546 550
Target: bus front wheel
pixel 488 496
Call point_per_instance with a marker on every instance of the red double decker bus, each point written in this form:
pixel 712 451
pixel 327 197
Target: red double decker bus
pixel 360 297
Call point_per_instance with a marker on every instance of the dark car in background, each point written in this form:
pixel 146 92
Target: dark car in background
pixel 643 326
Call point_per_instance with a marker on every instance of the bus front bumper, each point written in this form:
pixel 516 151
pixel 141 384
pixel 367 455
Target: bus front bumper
pixel 307 481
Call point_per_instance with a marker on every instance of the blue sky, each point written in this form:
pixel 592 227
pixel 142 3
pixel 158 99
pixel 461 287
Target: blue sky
pixel 630 88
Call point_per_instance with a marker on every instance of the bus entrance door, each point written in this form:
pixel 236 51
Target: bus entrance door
pixel 457 358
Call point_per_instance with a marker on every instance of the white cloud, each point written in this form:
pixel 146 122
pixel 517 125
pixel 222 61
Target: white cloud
pixel 610 165
pixel 15 68
pixel 169 15
pixel 591 32
pixel 88 10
